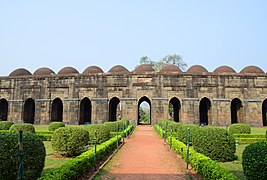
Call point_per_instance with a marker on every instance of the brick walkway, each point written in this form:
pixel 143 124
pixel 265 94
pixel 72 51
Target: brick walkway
pixel 145 156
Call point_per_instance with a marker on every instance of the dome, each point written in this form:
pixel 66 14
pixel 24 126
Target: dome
pixel 252 70
pixel 144 68
pixel 20 72
pixel 43 71
pixel 118 70
pixel 92 70
pixel 68 70
pixel 224 70
pixel 170 68
pixel 197 69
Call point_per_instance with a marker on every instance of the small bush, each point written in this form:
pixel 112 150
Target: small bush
pixel 240 128
pixel 254 161
pixel 111 126
pixel 182 132
pixel 215 143
pixel 25 127
pixel 44 135
pixel 5 125
pixel 33 155
pixel 173 125
pixel 55 125
pixel 102 132
pixel 70 141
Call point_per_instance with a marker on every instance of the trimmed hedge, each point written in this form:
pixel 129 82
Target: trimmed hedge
pixel 102 132
pixel 83 163
pixel 33 155
pixel 249 135
pixel 266 133
pixel 70 140
pixel 210 140
pixel 111 126
pixel 182 132
pixel 25 127
pixel 5 125
pixel 254 161
pixel 44 135
pixel 240 128
pixel 55 125
pixel 250 140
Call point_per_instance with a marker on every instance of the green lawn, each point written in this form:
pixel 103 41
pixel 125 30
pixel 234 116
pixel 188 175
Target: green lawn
pixel 258 130
pixel 52 162
pixel 236 166
pixel 41 127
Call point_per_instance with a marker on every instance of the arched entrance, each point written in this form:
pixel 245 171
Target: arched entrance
pixel 174 109
pixel 114 109
pixel 204 111
pixel 236 111
pixel 264 113
pixel 144 111
pixel 57 110
pixel 3 109
pixel 29 111
pixel 85 111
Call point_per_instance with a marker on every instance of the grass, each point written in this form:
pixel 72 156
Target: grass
pixel 52 162
pixel 41 127
pixel 236 166
pixel 258 130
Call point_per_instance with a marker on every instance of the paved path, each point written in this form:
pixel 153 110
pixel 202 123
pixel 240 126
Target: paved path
pixel 145 156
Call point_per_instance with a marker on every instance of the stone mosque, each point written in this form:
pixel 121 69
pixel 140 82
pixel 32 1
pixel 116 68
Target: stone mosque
pixel 220 98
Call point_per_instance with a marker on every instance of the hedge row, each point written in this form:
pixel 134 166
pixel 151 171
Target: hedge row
pixel 250 140
pixel 240 128
pixel 82 164
pixel 44 135
pixel 5 125
pixel 122 124
pixel 101 130
pixel 25 127
pixel 249 135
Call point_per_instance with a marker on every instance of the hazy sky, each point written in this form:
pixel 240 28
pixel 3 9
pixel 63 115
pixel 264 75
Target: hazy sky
pixel 59 33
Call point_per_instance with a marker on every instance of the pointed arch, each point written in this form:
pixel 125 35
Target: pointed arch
pixel 85 111
pixel 3 109
pixel 114 109
pixel 57 110
pixel 204 111
pixel 236 111
pixel 143 99
pixel 29 111
pixel 174 109
pixel 264 112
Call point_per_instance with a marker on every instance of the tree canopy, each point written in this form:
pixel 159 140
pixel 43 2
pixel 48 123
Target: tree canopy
pixel 174 59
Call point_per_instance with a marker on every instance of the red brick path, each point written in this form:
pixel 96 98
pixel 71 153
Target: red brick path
pixel 145 156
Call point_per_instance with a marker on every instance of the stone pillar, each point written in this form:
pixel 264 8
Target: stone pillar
pixel 221 112
pixel 99 110
pixel 190 111
pixel 129 108
pixel 253 112
pixel 15 110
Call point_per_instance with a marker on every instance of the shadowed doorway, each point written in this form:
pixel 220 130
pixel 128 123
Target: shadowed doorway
pixel 85 111
pixel 29 111
pixel 114 109
pixel 264 113
pixel 144 111
pixel 174 109
pixel 204 111
pixel 236 111
pixel 57 110
pixel 3 109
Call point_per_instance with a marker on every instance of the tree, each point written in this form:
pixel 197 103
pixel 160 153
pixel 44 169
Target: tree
pixel 169 59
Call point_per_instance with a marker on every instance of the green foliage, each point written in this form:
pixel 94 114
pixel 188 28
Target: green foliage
pixel 240 128
pixel 70 141
pixel 174 126
pixel 254 161
pixel 33 155
pixel 249 140
pixel 182 132
pixel 111 126
pixel 5 125
pixel 44 135
pixel 101 130
pixel 81 164
pixel 266 133
pixel 55 125
pixel 25 127
pixel 249 135
pixel 210 140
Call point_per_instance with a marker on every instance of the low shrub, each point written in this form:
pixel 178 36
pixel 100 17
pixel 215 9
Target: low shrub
pixel 254 161
pixel 70 141
pixel 102 131
pixel 112 126
pixel 33 155
pixel 210 140
pixel 249 135
pixel 240 128
pixel 81 164
pixel 25 127
pixel 173 125
pixel 5 125
pixel 55 125
pixel 182 132
pixel 44 135
pixel 249 140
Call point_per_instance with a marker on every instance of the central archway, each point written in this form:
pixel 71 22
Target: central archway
pixel 144 111
pixel 85 111
pixel 3 109
pixel 236 111
pixel 57 110
pixel 204 111
pixel 114 109
pixel 174 109
pixel 29 111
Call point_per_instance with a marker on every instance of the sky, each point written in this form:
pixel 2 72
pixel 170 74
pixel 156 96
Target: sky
pixel 82 33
